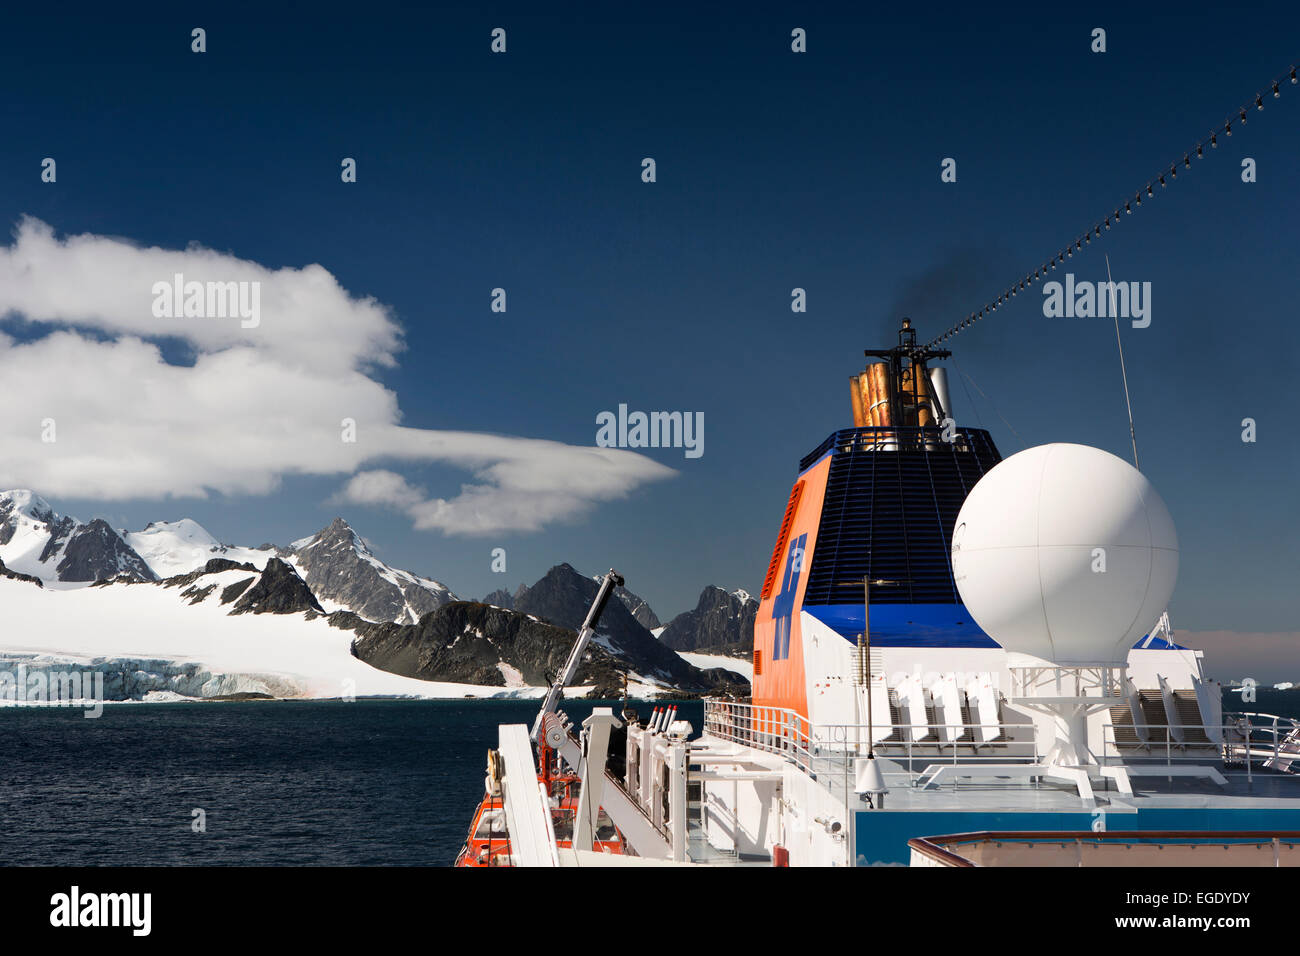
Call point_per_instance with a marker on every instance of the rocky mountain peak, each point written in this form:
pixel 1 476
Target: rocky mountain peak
pixel 35 539
pixel 341 568
pixel 279 590
pixel 641 610
pixel 96 551
pixel 563 596
pixel 25 502
pixel 721 622
pixel 335 535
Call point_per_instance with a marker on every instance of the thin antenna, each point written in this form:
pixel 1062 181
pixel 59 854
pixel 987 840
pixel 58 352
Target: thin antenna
pixel 1132 434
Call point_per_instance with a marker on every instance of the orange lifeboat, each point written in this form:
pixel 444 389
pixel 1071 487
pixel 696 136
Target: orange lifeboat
pixel 488 842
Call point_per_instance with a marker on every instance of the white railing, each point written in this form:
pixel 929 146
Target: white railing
pixel 1250 740
pixel 1280 737
pixel 776 730
pixel 822 748
pixel 1255 741
pixel 928 744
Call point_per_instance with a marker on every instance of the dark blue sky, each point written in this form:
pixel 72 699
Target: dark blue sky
pixel 775 170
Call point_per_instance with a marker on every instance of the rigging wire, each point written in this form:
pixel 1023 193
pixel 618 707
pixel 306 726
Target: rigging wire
pixel 1095 231
pixel 1023 443
pixel 1132 434
pixel 969 397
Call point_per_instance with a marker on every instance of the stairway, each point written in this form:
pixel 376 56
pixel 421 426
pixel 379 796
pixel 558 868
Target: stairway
pixel 1189 715
pixel 1125 735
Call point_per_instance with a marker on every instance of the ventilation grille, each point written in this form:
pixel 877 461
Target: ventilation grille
pixel 778 552
pixel 889 515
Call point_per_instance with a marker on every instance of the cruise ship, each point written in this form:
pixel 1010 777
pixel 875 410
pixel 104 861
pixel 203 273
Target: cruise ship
pixel 958 660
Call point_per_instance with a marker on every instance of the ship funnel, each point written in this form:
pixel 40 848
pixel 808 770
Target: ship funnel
pixel 940 405
pixel 856 388
pixel 900 391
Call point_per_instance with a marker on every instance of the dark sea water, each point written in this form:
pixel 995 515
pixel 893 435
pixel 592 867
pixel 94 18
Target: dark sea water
pixel 282 783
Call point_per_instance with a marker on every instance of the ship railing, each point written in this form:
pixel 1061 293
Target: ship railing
pixel 775 730
pixel 1248 741
pixel 829 749
pixel 910 745
pixel 1102 848
pixel 1280 735
pixel 900 438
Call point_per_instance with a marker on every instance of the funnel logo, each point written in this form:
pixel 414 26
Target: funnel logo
pixel 783 606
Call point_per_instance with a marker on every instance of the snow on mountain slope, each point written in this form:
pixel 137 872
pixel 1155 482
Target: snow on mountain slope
pixel 340 568
pixel 37 540
pixel 159 631
pixel 179 547
pixel 708 661
pixel 24 532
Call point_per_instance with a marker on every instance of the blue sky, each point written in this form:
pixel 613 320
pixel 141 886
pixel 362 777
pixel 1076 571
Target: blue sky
pixel 775 170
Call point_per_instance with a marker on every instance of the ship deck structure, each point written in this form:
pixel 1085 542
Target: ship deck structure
pixel 947 644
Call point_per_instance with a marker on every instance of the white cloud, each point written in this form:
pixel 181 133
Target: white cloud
pixel 256 405
pixel 380 488
pixel 107 284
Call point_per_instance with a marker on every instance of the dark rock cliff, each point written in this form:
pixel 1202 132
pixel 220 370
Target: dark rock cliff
pixel 721 623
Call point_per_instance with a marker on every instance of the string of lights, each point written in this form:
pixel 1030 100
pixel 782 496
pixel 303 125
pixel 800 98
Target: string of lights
pixel 1124 208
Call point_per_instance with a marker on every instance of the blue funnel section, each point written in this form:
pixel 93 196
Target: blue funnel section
pixel 905 625
pixel 923 625
pixel 891 502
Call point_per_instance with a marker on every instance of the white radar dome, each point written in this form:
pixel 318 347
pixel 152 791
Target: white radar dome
pixel 1065 553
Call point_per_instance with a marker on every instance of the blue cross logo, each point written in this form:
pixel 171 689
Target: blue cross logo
pixel 783 606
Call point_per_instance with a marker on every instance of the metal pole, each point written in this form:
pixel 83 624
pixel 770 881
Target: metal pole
pixel 1249 775
pixel 866 641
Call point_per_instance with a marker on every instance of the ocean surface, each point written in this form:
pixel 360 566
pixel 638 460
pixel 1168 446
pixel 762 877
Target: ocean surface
pixel 279 782
pixel 375 782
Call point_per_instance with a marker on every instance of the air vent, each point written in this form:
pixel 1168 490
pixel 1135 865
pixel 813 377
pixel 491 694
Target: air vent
pixel 889 513
pixel 778 552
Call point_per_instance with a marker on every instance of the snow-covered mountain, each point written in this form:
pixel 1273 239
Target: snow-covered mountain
pixel 341 569
pixel 179 547
pixel 37 540
pixel 335 562
pixel 171 610
pixel 229 629
pixel 221 630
